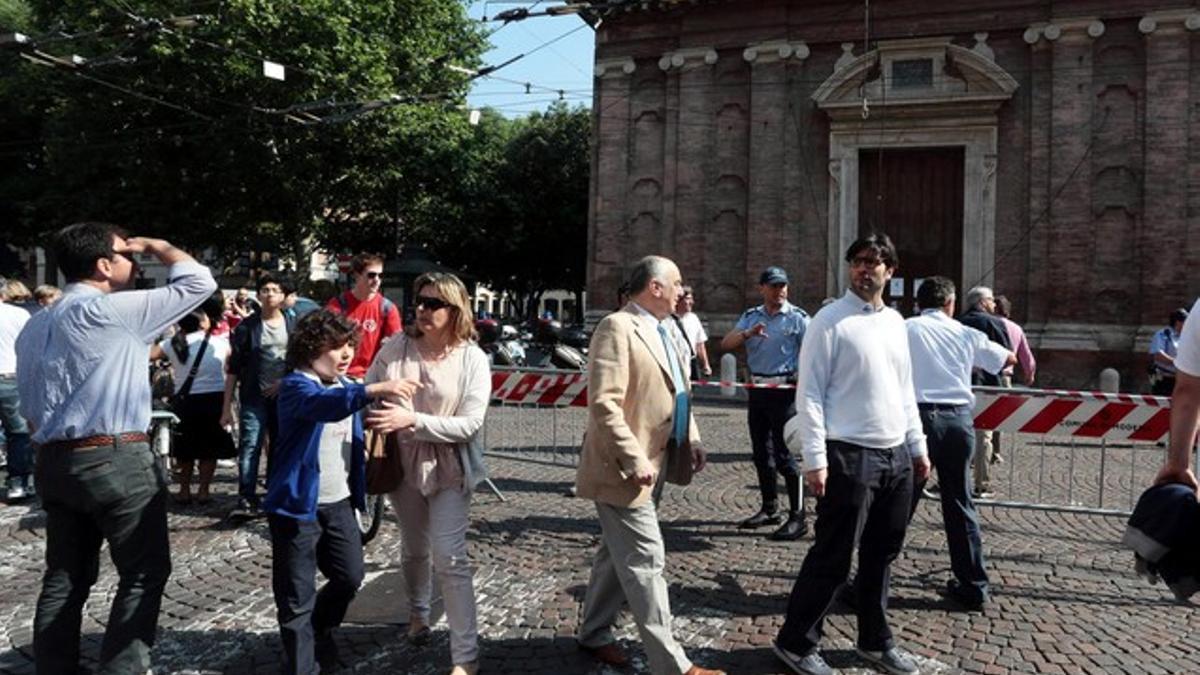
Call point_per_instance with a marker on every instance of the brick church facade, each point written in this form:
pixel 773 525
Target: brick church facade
pixel 1049 150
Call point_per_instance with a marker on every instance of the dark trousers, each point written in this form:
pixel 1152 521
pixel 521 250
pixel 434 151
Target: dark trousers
pixel 116 494
pixel 867 501
pixel 332 544
pixel 1163 386
pixel 768 412
pixel 950 435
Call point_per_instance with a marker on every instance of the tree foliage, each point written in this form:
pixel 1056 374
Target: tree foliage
pixel 528 202
pixel 174 131
pixel 198 145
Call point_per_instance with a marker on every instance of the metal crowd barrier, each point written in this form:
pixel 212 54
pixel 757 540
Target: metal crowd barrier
pixel 1065 451
pixel 1073 451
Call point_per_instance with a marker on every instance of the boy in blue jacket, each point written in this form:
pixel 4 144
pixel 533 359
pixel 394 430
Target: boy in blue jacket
pixel 317 479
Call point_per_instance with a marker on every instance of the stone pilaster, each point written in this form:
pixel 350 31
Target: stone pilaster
pixel 690 76
pixel 1070 255
pixel 607 256
pixel 1038 242
pixel 1165 214
pixel 768 240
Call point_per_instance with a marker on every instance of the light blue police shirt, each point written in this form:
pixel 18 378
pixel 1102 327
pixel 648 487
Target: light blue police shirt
pixel 1166 341
pixel 83 363
pixel 778 352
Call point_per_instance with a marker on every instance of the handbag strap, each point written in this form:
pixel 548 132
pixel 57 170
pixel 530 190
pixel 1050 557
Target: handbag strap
pixel 187 384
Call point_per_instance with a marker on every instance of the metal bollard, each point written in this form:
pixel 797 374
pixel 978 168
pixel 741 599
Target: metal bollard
pixel 728 374
pixel 1110 381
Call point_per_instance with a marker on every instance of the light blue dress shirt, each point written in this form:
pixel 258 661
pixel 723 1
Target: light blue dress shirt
pixel 679 428
pixel 83 363
pixel 777 353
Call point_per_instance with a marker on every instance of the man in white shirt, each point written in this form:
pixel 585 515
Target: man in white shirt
pixel 16 432
pixel 944 352
pixel 1185 407
pixel 859 431
pixel 693 330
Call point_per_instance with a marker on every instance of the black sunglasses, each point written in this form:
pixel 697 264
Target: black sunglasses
pixel 431 304
pixel 373 275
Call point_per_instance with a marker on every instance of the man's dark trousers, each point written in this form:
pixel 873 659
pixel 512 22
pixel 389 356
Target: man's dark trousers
pixel 868 495
pixel 767 413
pixel 950 435
pixel 115 493
pixel 333 544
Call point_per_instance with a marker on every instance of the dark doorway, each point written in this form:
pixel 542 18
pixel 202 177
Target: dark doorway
pixel 915 196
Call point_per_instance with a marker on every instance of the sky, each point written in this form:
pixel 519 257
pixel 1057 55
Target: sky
pixel 564 65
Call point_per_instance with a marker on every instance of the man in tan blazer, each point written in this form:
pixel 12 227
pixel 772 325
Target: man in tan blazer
pixel 640 430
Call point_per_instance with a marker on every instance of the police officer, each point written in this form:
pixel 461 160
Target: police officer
pixel 772 333
pixel 1163 345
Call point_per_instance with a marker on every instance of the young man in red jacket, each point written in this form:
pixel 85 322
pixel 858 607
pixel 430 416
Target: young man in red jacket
pixel 377 317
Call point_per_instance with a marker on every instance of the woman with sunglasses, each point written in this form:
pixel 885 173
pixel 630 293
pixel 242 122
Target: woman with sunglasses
pixel 438 430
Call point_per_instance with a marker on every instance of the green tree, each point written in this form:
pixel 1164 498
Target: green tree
pixel 181 135
pixel 527 204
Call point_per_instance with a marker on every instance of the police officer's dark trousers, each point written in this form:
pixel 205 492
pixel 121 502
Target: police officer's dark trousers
pixel 769 411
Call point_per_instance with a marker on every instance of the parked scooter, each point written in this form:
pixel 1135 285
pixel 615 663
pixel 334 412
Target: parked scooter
pixel 549 350
pixel 501 342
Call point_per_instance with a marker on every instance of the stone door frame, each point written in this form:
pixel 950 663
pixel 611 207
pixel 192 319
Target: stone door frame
pixel 956 108
pixel 979 191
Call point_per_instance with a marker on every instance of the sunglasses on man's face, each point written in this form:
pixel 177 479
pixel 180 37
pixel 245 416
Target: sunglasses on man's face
pixel 373 275
pixel 431 304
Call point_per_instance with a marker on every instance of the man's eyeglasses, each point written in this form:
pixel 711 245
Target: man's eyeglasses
pixel 866 262
pixel 431 304
pixel 373 275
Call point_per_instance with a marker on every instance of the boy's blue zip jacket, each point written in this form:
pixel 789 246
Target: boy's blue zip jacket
pixel 305 404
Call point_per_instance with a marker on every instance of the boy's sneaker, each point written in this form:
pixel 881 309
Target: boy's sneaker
pixel 892 660
pixel 809 664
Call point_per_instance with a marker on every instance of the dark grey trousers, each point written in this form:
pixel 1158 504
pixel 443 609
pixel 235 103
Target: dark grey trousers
pixel 115 493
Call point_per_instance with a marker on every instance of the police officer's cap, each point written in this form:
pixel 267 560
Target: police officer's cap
pixel 773 275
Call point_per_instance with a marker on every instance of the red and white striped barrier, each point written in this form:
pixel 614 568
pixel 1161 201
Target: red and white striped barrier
pixel 1049 412
pixel 1079 414
pixel 559 388
pixel 540 387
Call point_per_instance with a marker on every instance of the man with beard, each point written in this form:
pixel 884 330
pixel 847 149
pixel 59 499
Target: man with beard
pixel 859 431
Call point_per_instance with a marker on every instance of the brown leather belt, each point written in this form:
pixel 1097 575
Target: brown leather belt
pixel 90 442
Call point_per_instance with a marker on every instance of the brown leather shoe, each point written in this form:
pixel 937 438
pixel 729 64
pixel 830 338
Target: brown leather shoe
pixel 697 670
pixel 610 654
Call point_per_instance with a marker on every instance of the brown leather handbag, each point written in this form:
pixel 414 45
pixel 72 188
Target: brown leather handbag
pixel 384 472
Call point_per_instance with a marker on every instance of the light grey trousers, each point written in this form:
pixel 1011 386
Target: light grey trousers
pixel 434 530
pixel 629 567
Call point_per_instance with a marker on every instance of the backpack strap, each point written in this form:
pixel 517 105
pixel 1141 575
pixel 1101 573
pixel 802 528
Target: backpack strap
pixel 341 300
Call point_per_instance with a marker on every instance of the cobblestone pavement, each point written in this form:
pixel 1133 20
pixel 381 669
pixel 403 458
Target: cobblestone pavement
pixel 1066 599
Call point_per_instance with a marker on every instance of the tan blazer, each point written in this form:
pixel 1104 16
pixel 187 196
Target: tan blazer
pixel 631 399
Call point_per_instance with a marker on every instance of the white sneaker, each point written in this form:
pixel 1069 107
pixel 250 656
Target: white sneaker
pixel 16 493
